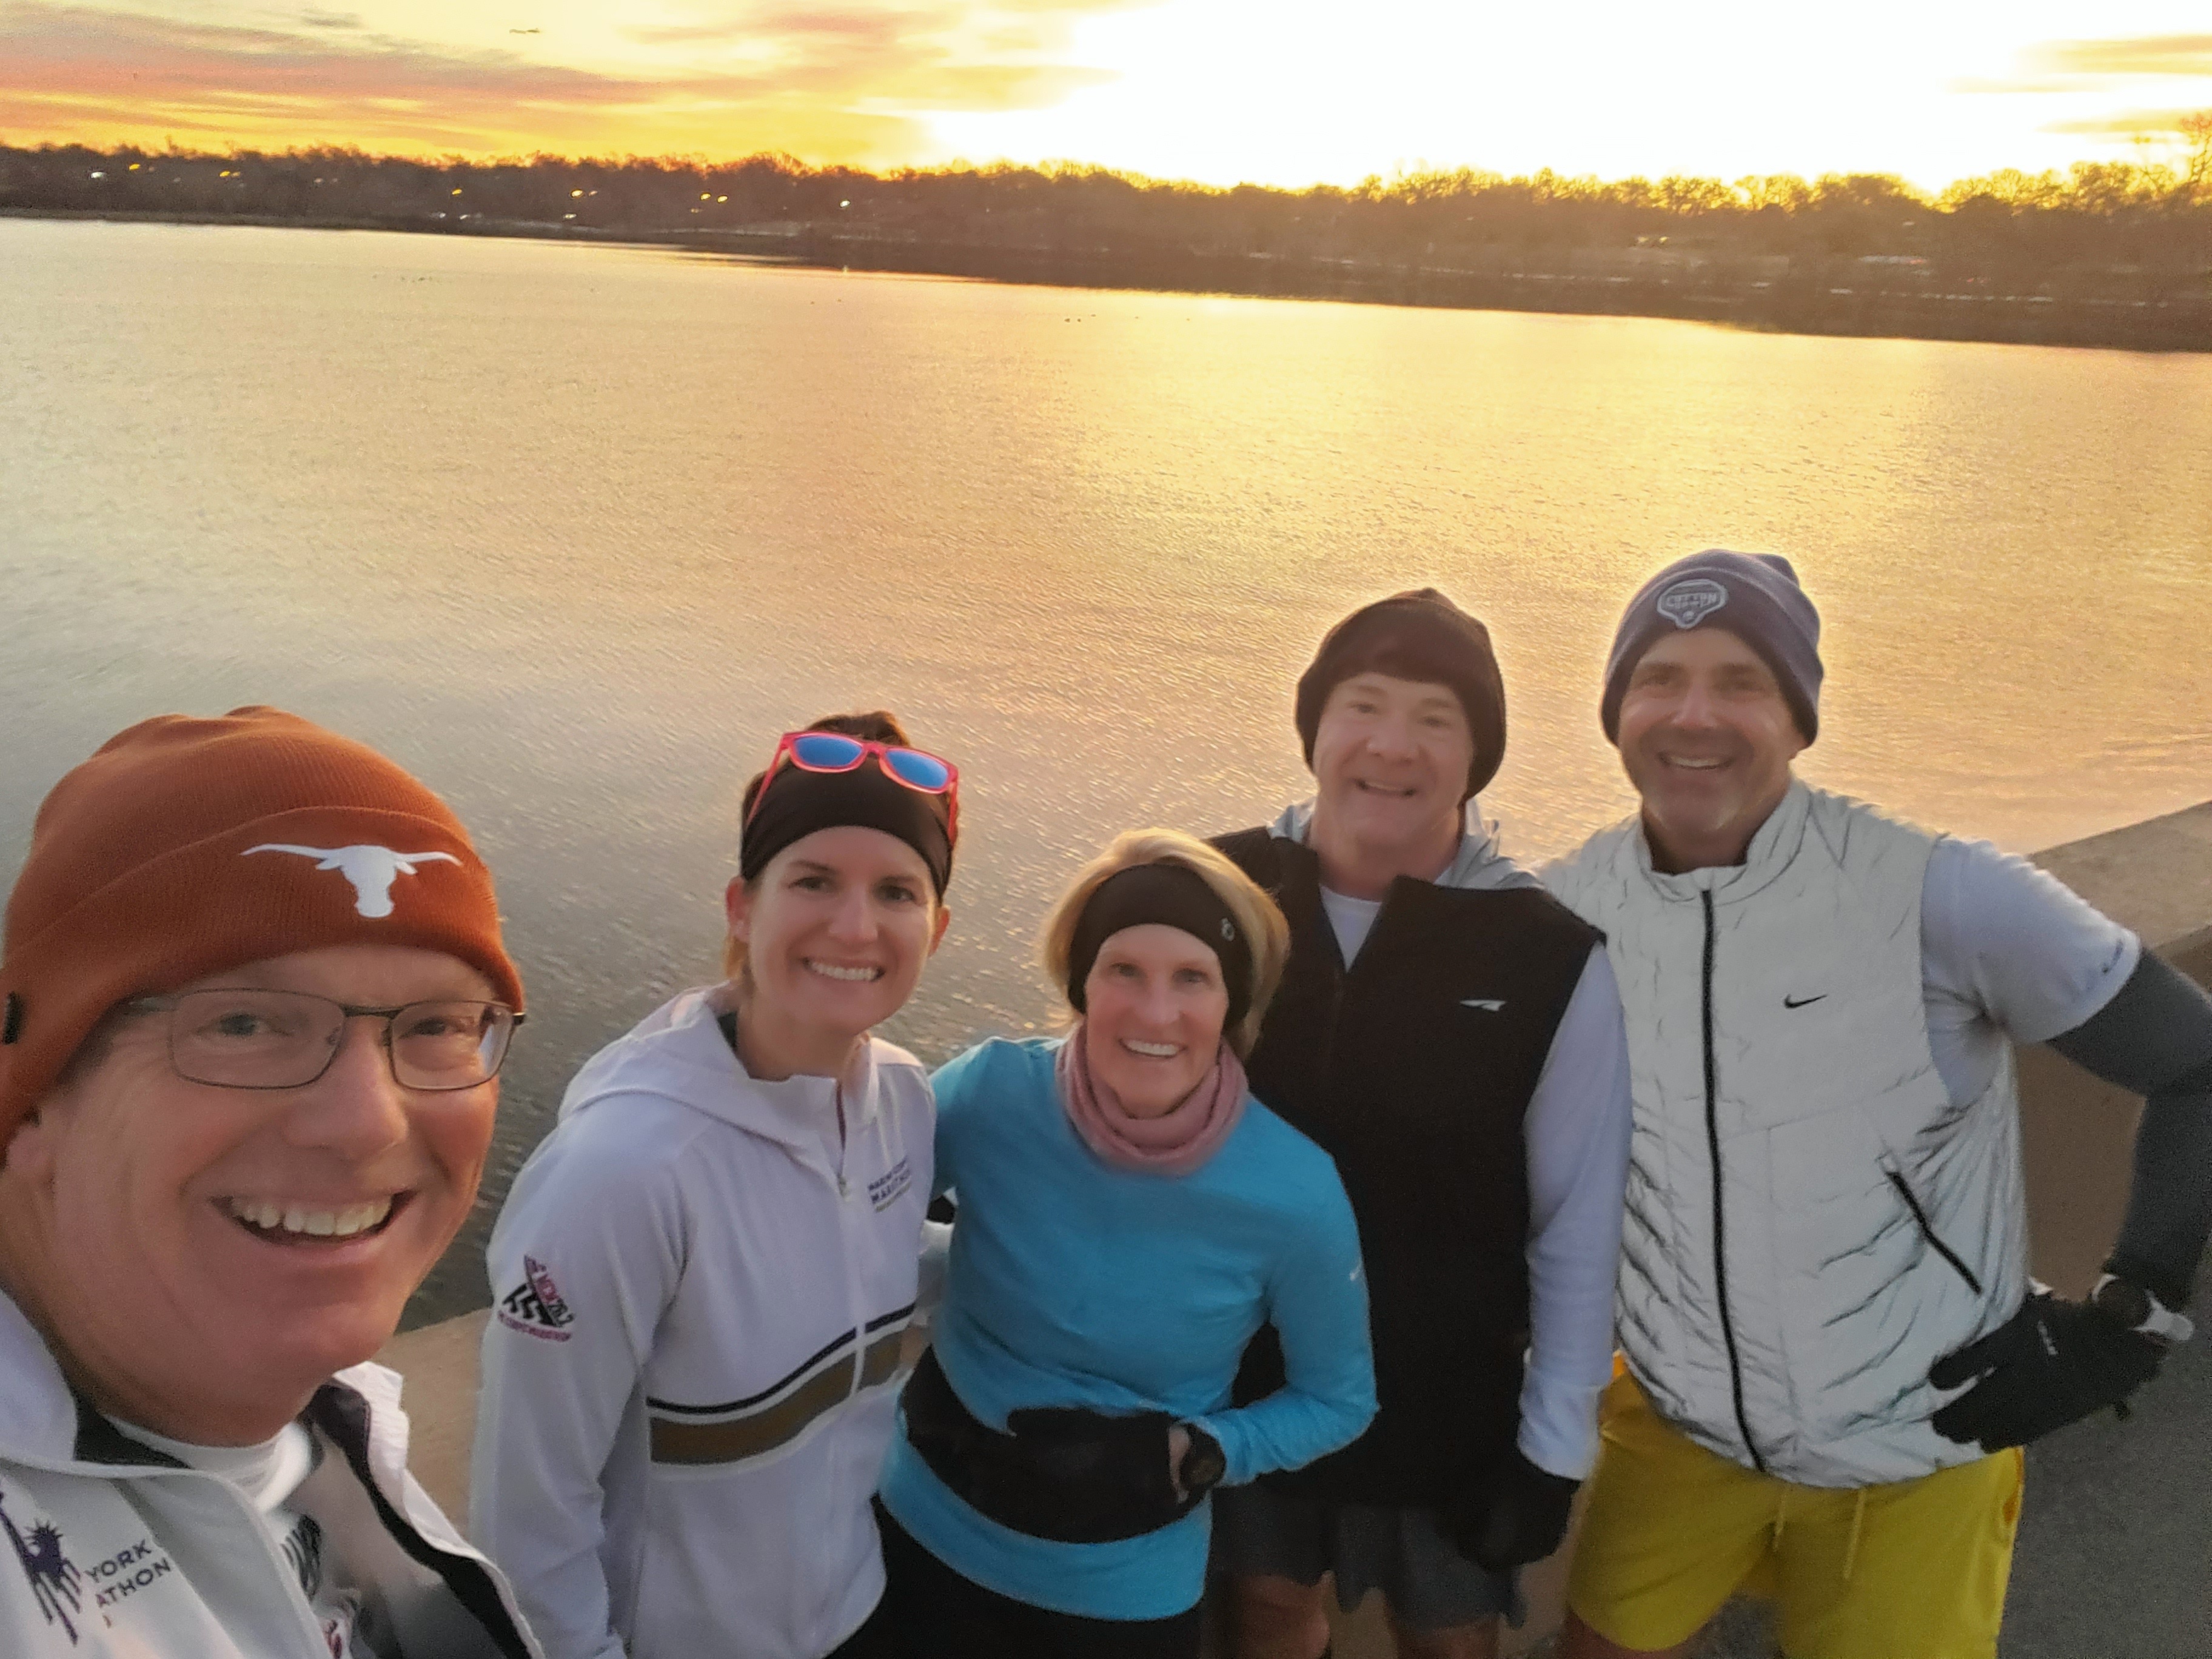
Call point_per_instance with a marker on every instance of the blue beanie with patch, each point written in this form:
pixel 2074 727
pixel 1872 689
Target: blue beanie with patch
pixel 1755 596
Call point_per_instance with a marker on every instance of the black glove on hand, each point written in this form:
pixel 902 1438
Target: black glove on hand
pixel 1519 1517
pixel 1115 1469
pixel 2052 1362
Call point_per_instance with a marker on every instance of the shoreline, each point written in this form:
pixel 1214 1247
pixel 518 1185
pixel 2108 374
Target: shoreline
pixel 1805 304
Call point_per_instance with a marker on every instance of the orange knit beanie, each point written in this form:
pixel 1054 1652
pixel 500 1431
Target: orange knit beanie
pixel 187 846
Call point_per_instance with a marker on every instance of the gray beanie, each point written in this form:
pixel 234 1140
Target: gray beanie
pixel 1755 596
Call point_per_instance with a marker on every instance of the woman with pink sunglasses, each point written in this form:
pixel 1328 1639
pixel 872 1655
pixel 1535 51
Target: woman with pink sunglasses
pixel 701 1279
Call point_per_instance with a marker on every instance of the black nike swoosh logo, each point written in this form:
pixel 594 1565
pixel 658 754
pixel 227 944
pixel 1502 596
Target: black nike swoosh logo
pixel 1807 1003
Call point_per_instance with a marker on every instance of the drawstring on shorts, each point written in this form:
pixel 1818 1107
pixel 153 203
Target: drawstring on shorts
pixel 1851 1546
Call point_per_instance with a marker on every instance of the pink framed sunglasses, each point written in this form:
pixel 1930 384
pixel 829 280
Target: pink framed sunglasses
pixel 833 752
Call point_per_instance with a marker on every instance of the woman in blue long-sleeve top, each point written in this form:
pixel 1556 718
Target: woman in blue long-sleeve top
pixel 1129 1217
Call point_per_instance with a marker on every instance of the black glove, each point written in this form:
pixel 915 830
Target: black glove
pixel 2052 1362
pixel 1519 1517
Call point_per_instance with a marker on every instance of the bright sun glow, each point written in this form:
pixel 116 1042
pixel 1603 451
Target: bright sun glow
pixel 1222 91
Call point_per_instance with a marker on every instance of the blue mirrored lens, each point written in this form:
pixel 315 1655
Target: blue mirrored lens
pixel 826 749
pixel 911 766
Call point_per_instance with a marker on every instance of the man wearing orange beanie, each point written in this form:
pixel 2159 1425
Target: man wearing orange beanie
pixel 252 1008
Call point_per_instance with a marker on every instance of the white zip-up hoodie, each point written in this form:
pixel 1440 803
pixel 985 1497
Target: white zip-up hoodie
pixel 698 1293
pixel 111 1550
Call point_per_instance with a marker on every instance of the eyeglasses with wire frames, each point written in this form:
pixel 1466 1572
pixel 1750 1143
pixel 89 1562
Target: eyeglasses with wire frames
pixel 239 1037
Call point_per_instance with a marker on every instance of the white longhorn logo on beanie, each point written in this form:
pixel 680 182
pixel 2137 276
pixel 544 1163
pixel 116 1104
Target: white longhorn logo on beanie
pixel 372 869
pixel 1688 602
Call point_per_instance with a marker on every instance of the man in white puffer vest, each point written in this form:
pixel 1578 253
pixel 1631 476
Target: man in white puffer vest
pixel 1833 1351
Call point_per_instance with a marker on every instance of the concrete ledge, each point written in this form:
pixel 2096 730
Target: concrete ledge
pixel 2154 876
pixel 2156 879
pixel 2117 1529
pixel 439 1363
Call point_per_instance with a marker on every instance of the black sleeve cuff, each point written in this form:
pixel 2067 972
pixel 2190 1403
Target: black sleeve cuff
pixel 2171 1289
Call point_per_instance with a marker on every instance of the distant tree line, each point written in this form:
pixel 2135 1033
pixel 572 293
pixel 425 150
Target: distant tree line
pixel 2127 233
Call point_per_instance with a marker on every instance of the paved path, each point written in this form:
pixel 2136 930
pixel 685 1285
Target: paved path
pixel 2114 1560
pixel 2115 1553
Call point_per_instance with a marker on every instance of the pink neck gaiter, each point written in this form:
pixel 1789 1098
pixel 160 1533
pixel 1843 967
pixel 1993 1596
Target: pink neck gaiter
pixel 1175 1143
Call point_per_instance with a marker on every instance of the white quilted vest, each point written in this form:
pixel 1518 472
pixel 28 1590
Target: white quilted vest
pixel 1785 1314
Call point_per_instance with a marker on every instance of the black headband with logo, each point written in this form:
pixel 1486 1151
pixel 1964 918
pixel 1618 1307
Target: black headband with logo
pixel 1173 896
pixel 794 803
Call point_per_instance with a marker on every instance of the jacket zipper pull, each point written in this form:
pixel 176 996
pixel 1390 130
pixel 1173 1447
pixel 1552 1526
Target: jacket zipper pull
pixel 837 1094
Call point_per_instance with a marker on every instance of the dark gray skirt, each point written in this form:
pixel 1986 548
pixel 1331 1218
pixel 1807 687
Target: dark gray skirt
pixel 1429 1585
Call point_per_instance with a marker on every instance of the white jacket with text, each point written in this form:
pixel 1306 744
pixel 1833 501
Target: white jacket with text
pixel 699 1289
pixel 110 1549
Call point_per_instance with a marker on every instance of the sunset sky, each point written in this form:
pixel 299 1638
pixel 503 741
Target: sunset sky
pixel 1285 92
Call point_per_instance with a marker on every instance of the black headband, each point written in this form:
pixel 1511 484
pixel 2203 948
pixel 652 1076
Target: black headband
pixel 795 803
pixel 1173 895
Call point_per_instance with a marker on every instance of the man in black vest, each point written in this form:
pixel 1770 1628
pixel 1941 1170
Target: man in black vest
pixel 1452 1038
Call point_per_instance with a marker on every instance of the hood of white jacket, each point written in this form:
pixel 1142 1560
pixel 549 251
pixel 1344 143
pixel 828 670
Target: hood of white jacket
pixel 1478 866
pixel 677 1052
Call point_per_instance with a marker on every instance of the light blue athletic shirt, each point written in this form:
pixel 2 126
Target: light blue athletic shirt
pixel 1073 1283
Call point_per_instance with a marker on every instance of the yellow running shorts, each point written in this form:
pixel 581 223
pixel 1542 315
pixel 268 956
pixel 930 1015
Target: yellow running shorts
pixel 1916 1570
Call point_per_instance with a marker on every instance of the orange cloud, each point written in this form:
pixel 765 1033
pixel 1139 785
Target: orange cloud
pixel 2064 66
pixel 849 84
pixel 2127 124
pixel 876 25
pixel 2156 54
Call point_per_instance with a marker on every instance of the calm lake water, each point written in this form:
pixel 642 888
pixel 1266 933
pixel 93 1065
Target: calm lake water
pixel 575 532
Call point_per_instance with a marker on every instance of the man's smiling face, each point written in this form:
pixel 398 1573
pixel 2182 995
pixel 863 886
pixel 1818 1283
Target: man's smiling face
pixel 198 1251
pixel 1391 759
pixel 1707 738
